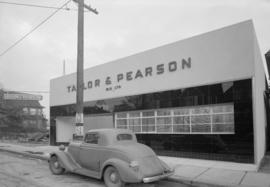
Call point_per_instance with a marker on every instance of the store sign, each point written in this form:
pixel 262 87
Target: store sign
pixel 216 56
pixel 21 96
pixel 114 82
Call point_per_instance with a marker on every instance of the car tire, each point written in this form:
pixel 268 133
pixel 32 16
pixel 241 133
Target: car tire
pixel 55 167
pixel 112 177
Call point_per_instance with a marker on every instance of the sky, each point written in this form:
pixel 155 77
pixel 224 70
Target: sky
pixel 122 28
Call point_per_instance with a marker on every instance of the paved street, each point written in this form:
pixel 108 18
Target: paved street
pixel 19 171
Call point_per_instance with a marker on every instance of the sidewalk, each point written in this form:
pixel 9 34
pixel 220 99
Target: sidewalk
pixel 185 173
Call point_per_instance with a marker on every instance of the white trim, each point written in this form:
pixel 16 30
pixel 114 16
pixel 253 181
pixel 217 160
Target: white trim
pixel 254 120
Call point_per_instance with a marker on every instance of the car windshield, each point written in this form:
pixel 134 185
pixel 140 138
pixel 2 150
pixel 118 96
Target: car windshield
pixel 121 137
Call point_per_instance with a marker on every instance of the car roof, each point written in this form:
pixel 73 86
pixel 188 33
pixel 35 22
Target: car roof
pixel 108 136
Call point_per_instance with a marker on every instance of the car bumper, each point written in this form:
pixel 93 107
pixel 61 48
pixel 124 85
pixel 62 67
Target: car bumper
pixel 158 177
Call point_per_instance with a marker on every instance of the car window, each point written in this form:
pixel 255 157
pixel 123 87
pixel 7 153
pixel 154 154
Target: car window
pixel 121 137
pixel 91 138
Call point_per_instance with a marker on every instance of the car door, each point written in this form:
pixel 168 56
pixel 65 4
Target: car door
pixel 90 152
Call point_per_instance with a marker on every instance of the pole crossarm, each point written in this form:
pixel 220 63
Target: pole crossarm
pixel 88 7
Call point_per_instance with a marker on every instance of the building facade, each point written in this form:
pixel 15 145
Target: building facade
pixel 22 113
pixel 200 98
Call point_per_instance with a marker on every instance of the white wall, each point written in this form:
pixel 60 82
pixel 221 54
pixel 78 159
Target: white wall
pixel 64 128
pixel 259 105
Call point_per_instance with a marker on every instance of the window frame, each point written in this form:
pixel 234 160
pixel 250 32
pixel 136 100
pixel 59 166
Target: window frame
pixel 209 112
pixel 96 141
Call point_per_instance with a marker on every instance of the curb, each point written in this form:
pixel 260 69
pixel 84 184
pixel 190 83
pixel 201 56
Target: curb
pixel 182 180
pixel 26 154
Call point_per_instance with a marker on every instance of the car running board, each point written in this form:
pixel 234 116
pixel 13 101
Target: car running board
pixel 87 172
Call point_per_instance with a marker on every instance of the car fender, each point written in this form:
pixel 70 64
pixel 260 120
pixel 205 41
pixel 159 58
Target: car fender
pixel 65 160
pixel 127 174
pixel 166 167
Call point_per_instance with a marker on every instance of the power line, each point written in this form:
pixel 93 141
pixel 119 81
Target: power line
pixel 36 6
pixel 28 91
pixel 36 27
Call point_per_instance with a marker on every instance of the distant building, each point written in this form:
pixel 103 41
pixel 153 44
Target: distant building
pixel 27 110
pixel 1 97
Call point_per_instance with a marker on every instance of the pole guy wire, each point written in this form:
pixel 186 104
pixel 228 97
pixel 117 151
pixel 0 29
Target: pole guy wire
pixel 35 28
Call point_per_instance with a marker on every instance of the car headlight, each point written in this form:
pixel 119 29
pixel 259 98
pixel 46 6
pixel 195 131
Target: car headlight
pixel 134 165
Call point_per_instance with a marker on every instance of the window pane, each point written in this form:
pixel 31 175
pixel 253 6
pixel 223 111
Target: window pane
pixel 25 110
pixel 164 128
pixel 163 112
pixel 181 120
pixel 148 113
pixel 134 114
pixel 181 128
pixel 121 127
pixel 135 128
pixel 182 111
pixel 223 118
pixel 149 128
pixel 200 119
pixel 200 110
pixel 201 128
pixel 223 127
pixel 134 121
pixel 121 122
pixel 91 138
pixel 33 111
pixel 223 108
pixel 121 137
pixel 164 120
pixel 121 115
pixel 148 121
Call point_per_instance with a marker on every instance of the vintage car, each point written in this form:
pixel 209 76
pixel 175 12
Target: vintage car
pixel 113 155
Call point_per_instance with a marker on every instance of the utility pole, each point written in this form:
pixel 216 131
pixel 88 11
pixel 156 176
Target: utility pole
pixel 80 56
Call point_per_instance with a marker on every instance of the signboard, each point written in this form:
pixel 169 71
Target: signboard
pixel 21 96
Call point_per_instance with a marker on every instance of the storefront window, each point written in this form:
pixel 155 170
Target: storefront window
pixel 217 119
pixel 25 110
pixel 206 122
pixel 33 111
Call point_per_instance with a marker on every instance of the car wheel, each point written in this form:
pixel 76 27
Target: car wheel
pixel 55 166
pixel 112 178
